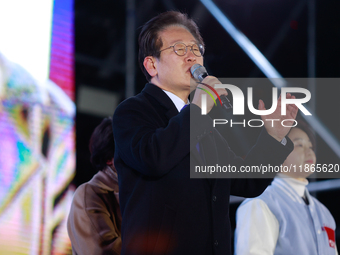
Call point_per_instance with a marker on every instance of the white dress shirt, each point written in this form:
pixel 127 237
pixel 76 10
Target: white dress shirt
pixel 178 102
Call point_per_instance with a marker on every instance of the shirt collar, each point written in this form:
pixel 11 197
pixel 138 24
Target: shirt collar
pixel 178 102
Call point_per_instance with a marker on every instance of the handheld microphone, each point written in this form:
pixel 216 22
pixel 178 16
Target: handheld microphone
pixel 199 73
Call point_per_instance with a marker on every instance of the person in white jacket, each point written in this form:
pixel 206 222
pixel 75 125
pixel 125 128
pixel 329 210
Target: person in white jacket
pixel 286 219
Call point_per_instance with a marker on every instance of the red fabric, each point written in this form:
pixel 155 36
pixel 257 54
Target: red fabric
pixel 331 236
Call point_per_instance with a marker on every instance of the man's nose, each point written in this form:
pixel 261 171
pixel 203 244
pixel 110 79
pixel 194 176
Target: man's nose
pixel 190 56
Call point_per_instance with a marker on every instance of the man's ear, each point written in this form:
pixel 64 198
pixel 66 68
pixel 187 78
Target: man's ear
pixel 150 65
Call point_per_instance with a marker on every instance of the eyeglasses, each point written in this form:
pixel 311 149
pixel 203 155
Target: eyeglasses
pixel 181 49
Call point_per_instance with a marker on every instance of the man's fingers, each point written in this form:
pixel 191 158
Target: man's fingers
pixel 222 92
pixel 209 82
pixel 261 105
pixel 293 110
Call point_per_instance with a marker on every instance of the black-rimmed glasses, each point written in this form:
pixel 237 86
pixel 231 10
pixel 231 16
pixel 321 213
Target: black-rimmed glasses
pixel 181 49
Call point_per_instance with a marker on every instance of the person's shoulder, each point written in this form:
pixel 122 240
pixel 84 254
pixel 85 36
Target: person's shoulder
pixel 87 189
pixel 79 192
pixel 89 194
pixel 139 106
pixel 102 183
pixel 251 202
pixel 78 201
pixel 321 206
pixel 252 206
pixel 137 102
pixel 134 100
pixel 268 195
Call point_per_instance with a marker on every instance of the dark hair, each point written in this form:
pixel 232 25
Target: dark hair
pixel 149 41
pixel 308 130
pixel 102 144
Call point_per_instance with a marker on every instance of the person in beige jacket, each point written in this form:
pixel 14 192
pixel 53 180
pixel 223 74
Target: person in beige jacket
pixel 94 222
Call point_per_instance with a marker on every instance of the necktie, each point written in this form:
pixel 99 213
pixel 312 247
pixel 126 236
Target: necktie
pixel 184 107
pixel 305 199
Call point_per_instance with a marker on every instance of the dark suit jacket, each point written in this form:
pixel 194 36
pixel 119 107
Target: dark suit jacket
pixel 163 210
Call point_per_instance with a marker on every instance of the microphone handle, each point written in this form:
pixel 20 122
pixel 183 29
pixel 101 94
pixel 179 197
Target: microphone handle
pixel 225 101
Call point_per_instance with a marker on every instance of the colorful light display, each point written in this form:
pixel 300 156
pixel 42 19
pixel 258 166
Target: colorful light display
pixel 37 138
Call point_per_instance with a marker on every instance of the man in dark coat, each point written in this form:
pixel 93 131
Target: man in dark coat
pixel 165 211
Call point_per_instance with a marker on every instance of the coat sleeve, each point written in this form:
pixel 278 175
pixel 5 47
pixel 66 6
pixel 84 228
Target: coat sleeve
pixel 89 225
pixel 214 150
pixel 144 142
pixel 266 152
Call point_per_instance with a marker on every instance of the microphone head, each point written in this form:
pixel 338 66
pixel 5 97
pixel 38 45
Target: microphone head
pixel 198 72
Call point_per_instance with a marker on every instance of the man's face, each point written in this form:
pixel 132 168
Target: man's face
pixel 173 71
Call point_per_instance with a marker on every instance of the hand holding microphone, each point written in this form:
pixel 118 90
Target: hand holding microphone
pixel 200 73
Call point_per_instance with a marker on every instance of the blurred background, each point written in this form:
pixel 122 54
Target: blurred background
pixel 66 64
pixel 37 125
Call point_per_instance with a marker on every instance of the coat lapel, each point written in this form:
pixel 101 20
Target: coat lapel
pixel 158 95
pixel 162 99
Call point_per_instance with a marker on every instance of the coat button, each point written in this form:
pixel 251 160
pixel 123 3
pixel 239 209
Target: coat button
pixel 214 198
pixel 216 243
